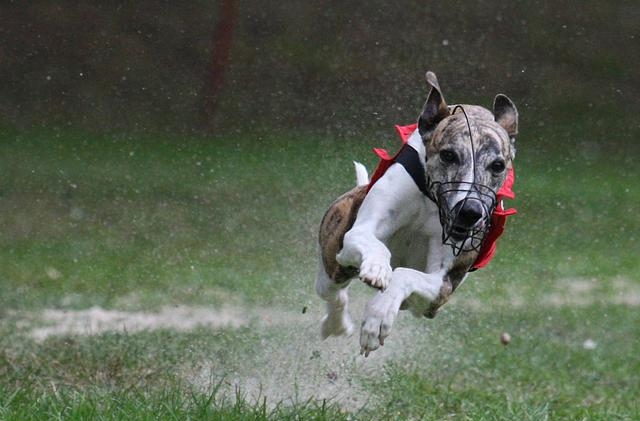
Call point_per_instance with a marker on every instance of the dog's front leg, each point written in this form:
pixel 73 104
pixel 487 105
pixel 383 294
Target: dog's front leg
pixel 392 203
pixel 363 250
pixel 381 310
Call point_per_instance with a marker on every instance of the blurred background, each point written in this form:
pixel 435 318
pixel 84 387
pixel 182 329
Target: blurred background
pixel 341 67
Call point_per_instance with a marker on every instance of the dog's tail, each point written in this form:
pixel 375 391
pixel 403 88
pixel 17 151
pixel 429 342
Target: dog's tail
pixel 362 177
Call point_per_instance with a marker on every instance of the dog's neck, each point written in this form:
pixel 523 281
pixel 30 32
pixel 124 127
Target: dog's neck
pixel 416 142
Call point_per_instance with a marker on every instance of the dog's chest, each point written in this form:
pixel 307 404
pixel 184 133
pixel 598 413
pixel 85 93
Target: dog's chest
pixel 409 245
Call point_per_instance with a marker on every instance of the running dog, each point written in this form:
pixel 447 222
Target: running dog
pixel 429 216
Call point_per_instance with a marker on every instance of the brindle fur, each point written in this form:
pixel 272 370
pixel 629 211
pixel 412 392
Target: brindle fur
pixel 489 144
pixel 336 222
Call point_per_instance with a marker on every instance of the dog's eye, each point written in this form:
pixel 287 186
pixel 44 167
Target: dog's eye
pixel 448 157
pixel 497 166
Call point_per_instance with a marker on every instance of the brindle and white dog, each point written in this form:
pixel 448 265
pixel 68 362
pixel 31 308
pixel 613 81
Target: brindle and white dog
pixel 416 244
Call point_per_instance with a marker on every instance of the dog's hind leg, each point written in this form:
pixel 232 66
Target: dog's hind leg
pixel 332 280
pixel 337 321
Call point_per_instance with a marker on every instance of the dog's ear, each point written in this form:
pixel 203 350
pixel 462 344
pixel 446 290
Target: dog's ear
pixel 506 114
pixel 434 109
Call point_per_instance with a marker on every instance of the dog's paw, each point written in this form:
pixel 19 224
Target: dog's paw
pixel 376 273
pixel 379 316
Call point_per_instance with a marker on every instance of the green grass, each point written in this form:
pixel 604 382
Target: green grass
pixel 170 404
pixel 140 223
pixel 130 214
pixel 545 373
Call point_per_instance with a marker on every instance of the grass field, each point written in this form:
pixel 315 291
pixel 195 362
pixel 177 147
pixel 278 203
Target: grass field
pixel 162 278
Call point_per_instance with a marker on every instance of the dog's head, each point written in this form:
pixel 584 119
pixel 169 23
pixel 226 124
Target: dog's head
pixel 469 152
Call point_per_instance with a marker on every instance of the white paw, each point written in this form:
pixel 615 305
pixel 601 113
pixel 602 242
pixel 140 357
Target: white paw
pixel 336 324
pixel 379 316
pixel 376 273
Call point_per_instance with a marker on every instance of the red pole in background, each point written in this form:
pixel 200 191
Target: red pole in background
pixel 220 48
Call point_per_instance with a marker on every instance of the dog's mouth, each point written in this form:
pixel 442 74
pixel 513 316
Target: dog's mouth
pixel 463 237
pixel 464 225
pixel 459 233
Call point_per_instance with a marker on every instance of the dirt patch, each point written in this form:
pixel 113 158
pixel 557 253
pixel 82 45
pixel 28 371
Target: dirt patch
pixel 96 320
pixel 565 292
pixel 586 291
pixel 292 364
pixel 627 292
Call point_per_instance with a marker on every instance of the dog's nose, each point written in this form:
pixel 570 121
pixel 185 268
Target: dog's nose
pixel 470 212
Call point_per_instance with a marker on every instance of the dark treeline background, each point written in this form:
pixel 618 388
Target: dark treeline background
pixel 334 66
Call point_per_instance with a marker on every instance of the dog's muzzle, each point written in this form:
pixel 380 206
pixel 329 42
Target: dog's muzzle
pixel 465 224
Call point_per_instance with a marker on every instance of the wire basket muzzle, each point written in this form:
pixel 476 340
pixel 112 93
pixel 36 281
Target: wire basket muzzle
pixel 465 222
